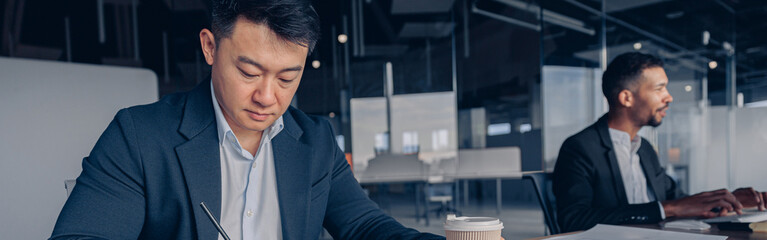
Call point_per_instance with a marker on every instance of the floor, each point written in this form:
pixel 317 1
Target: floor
pixel 521 219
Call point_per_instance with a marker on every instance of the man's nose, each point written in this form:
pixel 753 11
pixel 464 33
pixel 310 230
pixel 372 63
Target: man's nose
pixel 264 92
pixel 669 99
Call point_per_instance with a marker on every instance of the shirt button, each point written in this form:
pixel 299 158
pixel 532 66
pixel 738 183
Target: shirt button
pixel 250 213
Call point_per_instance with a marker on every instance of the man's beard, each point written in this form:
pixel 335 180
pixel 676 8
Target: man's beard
pixel 653 122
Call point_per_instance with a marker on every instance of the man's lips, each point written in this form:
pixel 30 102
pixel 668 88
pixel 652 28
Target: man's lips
pixel 662 111
pixel 257 116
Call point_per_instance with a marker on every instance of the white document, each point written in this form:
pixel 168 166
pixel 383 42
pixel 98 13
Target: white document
pixel 610 232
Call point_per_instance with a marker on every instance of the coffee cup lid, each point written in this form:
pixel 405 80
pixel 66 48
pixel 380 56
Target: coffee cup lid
pixel 454 223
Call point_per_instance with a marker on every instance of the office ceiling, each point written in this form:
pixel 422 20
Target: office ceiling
pixel 621 5
pixel 35 29
pixel 420 6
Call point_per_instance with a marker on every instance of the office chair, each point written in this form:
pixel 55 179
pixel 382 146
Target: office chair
pixel 443 193
pixel 540 182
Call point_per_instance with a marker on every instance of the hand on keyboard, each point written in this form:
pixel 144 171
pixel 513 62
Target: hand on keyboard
pixel 751 198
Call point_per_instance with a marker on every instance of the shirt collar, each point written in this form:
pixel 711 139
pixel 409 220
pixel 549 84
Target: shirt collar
pixel 223 126
pixel 622 138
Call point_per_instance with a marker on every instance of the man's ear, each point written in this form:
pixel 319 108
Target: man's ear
pixel 626 98
pixel 208 44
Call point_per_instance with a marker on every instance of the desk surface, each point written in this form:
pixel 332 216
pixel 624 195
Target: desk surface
pixel 731 235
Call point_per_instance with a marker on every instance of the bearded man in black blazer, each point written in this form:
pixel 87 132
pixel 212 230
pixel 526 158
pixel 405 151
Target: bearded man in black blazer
pixel 608 174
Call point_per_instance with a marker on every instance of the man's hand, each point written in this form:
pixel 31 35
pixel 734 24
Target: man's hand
pixel 751 198
pixel 701 204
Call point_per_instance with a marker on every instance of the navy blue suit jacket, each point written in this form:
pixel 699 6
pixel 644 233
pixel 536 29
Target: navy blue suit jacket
pixel 154 164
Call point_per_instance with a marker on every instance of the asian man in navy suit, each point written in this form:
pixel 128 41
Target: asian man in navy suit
pixel 265 169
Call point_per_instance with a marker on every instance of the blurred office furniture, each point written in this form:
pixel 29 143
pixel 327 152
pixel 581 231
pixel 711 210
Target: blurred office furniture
pixel 439 188
pixel 488 163
pixel 541 182
pixel 423 123
pixel 500 162
pixel 387 168
pixel 441 193
pixel 395 168
pixel 442 189
pixel 53 113
pixel 406 138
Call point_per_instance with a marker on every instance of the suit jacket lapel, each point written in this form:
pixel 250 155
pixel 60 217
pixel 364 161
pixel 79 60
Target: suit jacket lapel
pixel 612 160
pixel 649 173
pixel 292 165
pixel 200 160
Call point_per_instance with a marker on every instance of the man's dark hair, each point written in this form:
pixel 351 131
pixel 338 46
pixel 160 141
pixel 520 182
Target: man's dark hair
pixel 623 73
pixel 292 20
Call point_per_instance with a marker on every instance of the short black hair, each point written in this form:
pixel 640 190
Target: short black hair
pixel 623 73
pixel 292 20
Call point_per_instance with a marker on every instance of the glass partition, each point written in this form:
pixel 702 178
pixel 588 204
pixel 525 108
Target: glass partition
pixel 527 74
pixel 572 52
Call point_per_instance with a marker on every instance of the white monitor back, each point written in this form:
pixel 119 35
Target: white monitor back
pixel 51 114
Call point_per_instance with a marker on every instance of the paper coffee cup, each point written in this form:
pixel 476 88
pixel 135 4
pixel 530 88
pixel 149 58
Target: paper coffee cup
pixel 472 228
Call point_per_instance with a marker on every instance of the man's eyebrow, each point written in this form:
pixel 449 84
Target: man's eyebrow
pixel 249 61
pixel 258 65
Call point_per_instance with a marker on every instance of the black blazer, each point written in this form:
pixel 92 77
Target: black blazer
pixel 588 186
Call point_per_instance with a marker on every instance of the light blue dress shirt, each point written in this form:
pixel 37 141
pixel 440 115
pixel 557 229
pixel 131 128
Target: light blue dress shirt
pixel 634 180
pixel 249 204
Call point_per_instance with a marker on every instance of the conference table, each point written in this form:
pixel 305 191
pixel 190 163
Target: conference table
pixel 731 235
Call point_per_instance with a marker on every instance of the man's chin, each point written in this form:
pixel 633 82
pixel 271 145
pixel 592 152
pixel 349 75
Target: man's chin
pixel 258 127
pixel 654 122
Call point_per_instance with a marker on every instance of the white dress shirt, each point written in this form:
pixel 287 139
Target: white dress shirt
pixel 249 203
pixel 634 180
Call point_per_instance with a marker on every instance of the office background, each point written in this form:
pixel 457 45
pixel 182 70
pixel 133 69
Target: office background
pixel 436 84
